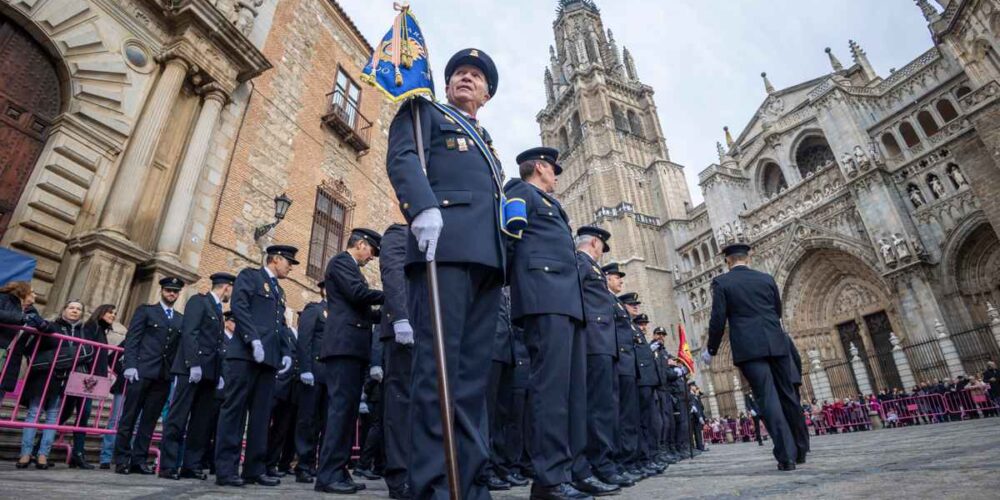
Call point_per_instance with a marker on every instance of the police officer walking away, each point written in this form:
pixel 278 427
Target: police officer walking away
pixel 197 366
pixel 311 418
pixel 150 346
pixel 749 301
pixel 253 358
pixel 454 214
pixel 547 301
pixel 345 353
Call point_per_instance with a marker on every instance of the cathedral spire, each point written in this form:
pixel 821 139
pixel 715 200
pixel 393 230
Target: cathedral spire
pixel 719 149
pixel 629 65
pixel 616 61
pixel 861 59
pixel 834 62
pixel 550 94
pixel 767 84
pixel 928 10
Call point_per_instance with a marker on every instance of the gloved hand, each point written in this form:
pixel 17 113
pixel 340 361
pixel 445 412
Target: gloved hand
pixel 706 357
pixel 403 331
pixel 363 409
pixel 376 373
pixel 222 383
pixel 131 374
pixel 307 378
pixel 426 228
pixel 258 351
pixel 364 396
pixel 679 371
pixel 195 375
pixel 286 363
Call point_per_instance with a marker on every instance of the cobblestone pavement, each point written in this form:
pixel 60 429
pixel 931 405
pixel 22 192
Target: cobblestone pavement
pixel 953 460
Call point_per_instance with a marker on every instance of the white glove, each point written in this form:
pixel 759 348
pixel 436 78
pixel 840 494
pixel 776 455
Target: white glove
pixel 364 397
pixel 286 364
pixel 706 357
pixel 363 409
pixel 131 374
pixel 195 376
pixel 679 371
pixel 426 228
pixel 403 331
pixel 307 378
pixel 222 383
pixel 258 351
pixel 376 373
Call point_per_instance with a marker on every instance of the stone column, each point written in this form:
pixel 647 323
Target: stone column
pixel 741 406
pixel 124 197
pixel 994 315
pixel 948 350
pixel 172 231
pixel 817 375
pixel 902 364
pixel 860 374
pixel 713 401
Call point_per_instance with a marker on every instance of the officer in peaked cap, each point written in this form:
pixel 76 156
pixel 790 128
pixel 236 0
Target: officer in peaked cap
pixel 750 302
pixel 548 155
pixel 150 345
pixel 602 354
pixel 649 380
pixel 627 436
pixel 613 268
pixel 453 210
pixel 257 352
pixel 198 366
pixel 312 398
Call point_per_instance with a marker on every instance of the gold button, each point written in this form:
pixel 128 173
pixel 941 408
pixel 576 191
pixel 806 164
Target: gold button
pixel 406 206
pixel 445 202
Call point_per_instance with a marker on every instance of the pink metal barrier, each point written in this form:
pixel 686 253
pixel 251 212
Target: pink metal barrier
pixel 852 417
pixel 969 403
pixel 911 410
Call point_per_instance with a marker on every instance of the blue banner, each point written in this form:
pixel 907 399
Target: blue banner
pixel 15 266
pixel 400 67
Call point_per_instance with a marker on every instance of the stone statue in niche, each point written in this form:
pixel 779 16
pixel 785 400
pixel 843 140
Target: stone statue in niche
pixel 246 13
pixel 861 158
pixel 936 187
pixel 850 168
pixel 876 154
pixel 901 248
pixel 727 233
pixel 885 248
pixel 956 176
pixel 916 197
pixel 918 247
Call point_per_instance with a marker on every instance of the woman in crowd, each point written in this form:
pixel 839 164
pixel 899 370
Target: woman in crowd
pixel 17 307
pixel 95 329
pixel 48 356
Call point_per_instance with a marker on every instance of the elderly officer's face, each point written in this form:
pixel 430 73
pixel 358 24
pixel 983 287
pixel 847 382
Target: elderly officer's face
pixel 633 309
pixel 546 175
pixel 615 283
pixel 467 88
pixel 365 253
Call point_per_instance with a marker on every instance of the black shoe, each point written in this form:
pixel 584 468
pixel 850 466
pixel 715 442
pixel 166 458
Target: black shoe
pixel 759 443
pixel 494 483
pixel 366 473
pixel 303 477
pixel 229 481
pixel 105 466
pixel 638 472
pixel 403 493
pixel 617 480
pixel 78 462
pixel 786 466
pixel 635 478
pixel 274 472
pixel 651 471
pixel 800 458
pixel 141 469
pixel 263 480
pixel 557 492
pixel 595 487
pixel 169 474
pixel 516 480
pixel 341 487
pixel 193 474
pixel 122 469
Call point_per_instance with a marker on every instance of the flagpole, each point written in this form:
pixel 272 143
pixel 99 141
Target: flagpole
pixel 444 392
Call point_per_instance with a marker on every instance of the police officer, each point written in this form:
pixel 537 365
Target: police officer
pixel 750 404
pixel 698 417
pixel 284 413
pixel 454 214
pixel 796 419
pixel 750 302
pixel 602 352
pixel 150 345
pixel 500 394
pixel 674 373
pixel 649 380
pixel 253 357
pixel 197 367
pixel 311 418
pixel 547 301
pixel 667 401
pixel 397 347
pixel 627 435
pixel 345 354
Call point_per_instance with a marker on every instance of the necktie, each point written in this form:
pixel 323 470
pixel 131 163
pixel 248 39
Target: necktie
pixel 218 308
pixel 170 314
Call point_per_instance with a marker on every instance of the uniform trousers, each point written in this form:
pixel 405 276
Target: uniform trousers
pixel 281 433
pixel 514 455
pixel 249 388
pixel 311 419
pixel 756 429
pixel 470 296
pixel 145 396
pixel 602 414
pixel 189 420
pixel 345 376
pixel 396 412
pixel 771 383
pixel 682 427
pixel 627 450
pixel 558 394
pixel 372 449
pixel 669 423
pixel 647 418
pixel 500 397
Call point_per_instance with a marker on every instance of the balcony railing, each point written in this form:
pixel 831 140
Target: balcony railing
pixel 344 117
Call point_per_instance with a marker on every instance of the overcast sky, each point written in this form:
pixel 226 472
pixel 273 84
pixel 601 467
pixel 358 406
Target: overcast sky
pixel 703 58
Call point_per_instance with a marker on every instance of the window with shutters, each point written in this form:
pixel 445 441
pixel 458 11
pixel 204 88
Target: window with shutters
pixel 331 223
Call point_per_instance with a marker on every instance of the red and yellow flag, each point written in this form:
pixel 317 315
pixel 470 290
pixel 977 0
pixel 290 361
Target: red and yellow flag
pixel 683 350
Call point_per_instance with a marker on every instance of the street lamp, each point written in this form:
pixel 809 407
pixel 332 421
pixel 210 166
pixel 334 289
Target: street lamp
pixel 281 204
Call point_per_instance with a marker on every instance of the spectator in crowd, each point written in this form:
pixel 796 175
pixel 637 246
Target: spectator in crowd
pixel 115 367
pixel 42 391
pixel 992 377
pixel 94 363
pixel 17 307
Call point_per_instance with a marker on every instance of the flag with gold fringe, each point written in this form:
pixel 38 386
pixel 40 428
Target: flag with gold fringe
pixel 399 66
pixel 684 350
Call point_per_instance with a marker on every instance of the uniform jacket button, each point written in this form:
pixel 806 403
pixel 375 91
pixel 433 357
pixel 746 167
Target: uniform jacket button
pixel 546 268
pixel 446 203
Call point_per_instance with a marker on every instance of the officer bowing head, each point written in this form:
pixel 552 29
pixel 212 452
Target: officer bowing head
pixel 470 80
pixel 170 289
pixel 631 301
pixel 364 245
pixel 642 321
pixel 616 277
pixel 222 286
pixel 737 254
pixel 593 241
pixel 538 166
pixel 280 259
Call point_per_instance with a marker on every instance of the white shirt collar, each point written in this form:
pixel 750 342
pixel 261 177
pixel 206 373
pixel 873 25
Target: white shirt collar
pixel 269 273
pixel 166 307
pixel 216 297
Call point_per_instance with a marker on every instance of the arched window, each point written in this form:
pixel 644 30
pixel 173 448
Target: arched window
pixel 772 181
pixel 563 139
pixel 946 110
pixel 693 297
pixel 891 146
pixel 635 123
pixel 910 136
pixel 591 51
pixel 706 253
pixel 697 257
pixel 927 123
pixel 962 91
pixel 687 262
pixel 576 127
pixel 813 154
pixel 621 123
